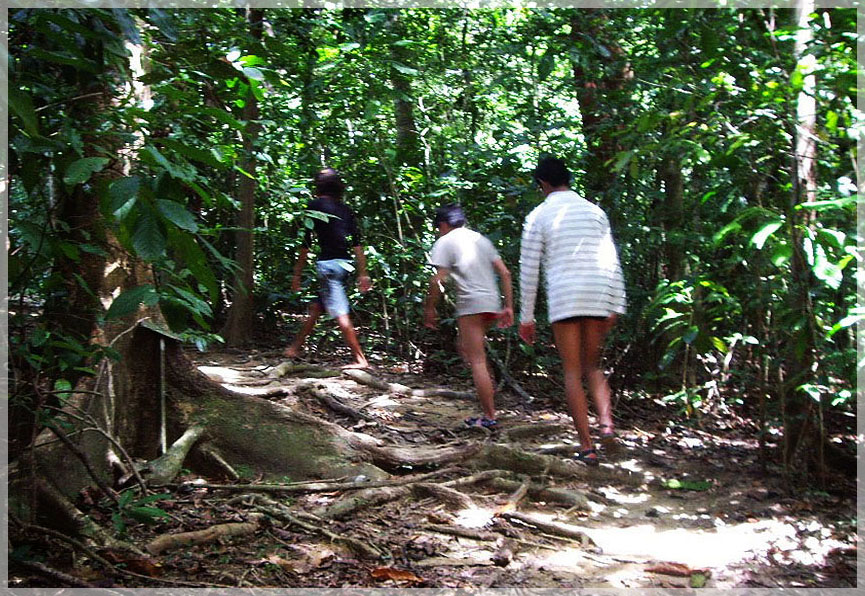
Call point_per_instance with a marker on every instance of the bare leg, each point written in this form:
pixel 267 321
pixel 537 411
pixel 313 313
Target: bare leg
pixel 593 338
pixel 293 351
pixel 472 343
pixel 350 336
pixel 567 336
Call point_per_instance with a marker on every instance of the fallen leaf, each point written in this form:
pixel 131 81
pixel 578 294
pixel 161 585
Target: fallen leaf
pixel 698 580
pixel 395 574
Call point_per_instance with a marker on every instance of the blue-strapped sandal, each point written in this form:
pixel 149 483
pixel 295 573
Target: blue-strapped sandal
pixel 588 457
pixel 483 422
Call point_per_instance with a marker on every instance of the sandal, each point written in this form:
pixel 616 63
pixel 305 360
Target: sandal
pixel 588 457
pixel 482 422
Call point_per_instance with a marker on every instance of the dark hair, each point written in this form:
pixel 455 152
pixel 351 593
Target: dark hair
pixel 553 171
pixel 451 214
pixel 329 184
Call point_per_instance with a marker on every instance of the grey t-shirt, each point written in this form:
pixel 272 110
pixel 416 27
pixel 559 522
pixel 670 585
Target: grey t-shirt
pixel 469 256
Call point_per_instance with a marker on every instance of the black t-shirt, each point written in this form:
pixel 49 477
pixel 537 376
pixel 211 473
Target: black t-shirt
pixel 338 234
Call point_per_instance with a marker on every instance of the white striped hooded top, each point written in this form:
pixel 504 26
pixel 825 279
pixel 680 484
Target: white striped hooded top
pixel 573 239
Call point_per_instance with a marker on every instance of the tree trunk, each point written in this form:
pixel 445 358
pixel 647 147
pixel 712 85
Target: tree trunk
pixel 241 315
pixel 407 144
pixel 802 427
pixel 596 94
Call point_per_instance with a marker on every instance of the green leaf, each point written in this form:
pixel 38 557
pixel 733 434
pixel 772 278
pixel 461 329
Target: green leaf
pixel 253 73
pixel 177 214
pixel 622 160
pixel 64 58
pixel 759 239
pixel 147 515
pixel 123 193
pixel 698 580
pixel 153 156
pixel 825 205
pixel 186 249
pixel 208 157
pixel 406 70
pixel 21 105
pixel 546 65
pixel 691 334
pixel 148 239
pixel 81 170
pixel 696 485
pixel 223 117
pixel 127 302
pixel 781 254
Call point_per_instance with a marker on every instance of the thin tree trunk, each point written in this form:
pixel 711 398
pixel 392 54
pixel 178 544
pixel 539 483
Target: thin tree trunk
pixel 241 315
pixel 802 427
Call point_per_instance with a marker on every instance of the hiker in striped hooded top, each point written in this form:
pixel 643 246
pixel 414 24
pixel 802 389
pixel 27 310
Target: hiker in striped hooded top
pixel 571 237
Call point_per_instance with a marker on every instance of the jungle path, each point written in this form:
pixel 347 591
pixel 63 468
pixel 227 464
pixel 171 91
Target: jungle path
pixel 678 506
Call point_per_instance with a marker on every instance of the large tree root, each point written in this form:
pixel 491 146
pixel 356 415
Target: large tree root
pixel 364 378
pixel 280 512
pixel 305 370
pixel 165 468
pixel 161 544
pixel 553 528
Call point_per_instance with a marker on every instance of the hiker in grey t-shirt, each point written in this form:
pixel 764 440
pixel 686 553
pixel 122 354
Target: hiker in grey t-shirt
pixel 473 262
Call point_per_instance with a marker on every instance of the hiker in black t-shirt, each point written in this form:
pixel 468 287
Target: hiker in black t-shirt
pixel 335 236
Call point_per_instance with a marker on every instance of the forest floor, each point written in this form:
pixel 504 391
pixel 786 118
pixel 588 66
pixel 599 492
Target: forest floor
pixel 684 503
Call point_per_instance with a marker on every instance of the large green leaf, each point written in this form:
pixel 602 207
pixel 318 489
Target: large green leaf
pixel 759 239
pixel 80 171
pixel 194 153
pixel 177 214
pixel 127 302
pixel 64 58
pixel 185 248
pixel 122 194
pixel 21 106
pixel 148 239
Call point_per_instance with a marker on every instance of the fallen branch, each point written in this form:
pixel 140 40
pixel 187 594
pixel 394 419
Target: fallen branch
pixel 364 378
pixel 507 378
pixel 515 497
pixel 211 534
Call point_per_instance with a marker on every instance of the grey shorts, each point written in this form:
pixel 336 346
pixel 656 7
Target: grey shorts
pixel 332 276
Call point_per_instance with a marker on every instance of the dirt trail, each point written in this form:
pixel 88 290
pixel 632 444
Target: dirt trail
pixel 696 509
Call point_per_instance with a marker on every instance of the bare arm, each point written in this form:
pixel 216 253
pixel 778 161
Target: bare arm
pixel 506 318
pixel 435 291
pixel 363 280
pixel 298 268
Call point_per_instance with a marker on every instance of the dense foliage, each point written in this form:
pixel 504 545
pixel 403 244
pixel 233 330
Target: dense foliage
pixel 680 123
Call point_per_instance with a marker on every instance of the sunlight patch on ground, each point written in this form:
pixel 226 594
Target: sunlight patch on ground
pixel 382 401
pixel 474 517
pixel 720 547
pixel 221 374
pixel 248 390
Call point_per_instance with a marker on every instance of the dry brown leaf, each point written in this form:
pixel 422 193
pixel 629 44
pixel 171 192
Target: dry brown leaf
pixel 395 574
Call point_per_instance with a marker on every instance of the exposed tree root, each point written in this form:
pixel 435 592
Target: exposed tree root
pixel 371 497
pixel 364 378
pixel 507 378
pixel 449 496
pixel 84 526
pixel 531 431
pixel 165 468
pixel 58 578
pixel 553 528
pixel 463 532
pixel 537 492
pixel 310 371
pixel 171 541
pixel 280 512
pixel 333 403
